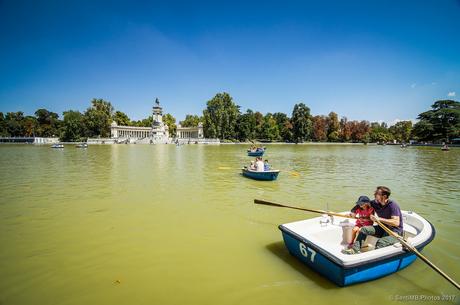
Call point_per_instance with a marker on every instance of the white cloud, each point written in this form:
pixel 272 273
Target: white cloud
pixel 399 120
pixel 413 85
pixel 451 94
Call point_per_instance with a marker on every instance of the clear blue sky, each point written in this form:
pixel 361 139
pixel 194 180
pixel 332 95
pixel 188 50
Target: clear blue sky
pixel 373 60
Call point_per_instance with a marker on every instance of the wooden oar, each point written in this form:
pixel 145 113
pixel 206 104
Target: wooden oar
pixel 415 251
pixel 258 201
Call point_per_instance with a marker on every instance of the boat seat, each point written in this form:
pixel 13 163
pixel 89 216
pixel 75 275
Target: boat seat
pixel 409 231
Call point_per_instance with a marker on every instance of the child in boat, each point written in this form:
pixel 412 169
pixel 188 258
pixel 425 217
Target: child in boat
pixel 266 165
pixel 362 210
pixel 252 166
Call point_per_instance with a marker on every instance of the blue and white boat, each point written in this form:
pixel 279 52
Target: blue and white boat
pixel 82 145
pixel 265 175
pixel 57 145
pixel 259 152
pixel 318 243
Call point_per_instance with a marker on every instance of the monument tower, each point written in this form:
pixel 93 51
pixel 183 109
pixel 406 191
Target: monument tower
pixel 160 131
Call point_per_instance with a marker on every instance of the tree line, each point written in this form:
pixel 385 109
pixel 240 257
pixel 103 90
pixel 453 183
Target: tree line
pixel 223 119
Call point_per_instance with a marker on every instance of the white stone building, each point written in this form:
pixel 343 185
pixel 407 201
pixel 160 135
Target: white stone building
pixel 158 132
pixel 190 132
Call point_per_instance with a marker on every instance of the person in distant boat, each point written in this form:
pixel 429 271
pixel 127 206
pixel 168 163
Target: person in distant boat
pixel 266 165
pixel 362 210
pixel 388 213
pixel 259 164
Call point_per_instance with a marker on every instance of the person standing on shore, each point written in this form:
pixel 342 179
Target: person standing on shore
pixel 388 213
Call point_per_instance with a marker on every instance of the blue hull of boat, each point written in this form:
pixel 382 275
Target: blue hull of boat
pixel 256 153
pixel 313 257
pixel 265 176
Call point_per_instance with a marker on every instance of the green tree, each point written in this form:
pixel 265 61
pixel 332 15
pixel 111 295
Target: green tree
pixel 30 125
pixel 98 118
pixel 190 121
pixel 259 117
pixel 3 126
pixel 246 126
pixel 73 126
pixel 15 123
pixel 379 132
pixel 284 126
pixel 121 118
pixel 270 129
pixel 423 131
pixel 220 117
pixel 401 131
pixel 170 121
pixel 286 132
pixel 48 123
pixel 143 123
pixel 301 122
pixel 444 118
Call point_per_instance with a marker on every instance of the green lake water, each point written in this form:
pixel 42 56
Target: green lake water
pixel 160 224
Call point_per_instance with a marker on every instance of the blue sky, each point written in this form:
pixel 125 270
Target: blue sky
pixel 372 60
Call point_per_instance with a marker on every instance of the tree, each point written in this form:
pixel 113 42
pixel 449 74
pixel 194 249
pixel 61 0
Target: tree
pixel 98 118
pixel 14 123
pixel 270 129
pixel 423 131
pixel 3 126
pixel 220 117
pixel 143 123
pixel 345 130
pixel 284 126
pixel 259 117
pixel 246 126
pixel 333 125
pixel 121 118
pixel 287 131
pixel 359 131
pixel 379 132
pixel 190 121
pixel 320 128
pixel 48 123
pixel 441 123
pixel 30 124
pixel 401 131
pixel 301 122
pixel 73 126
pixel 170 121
